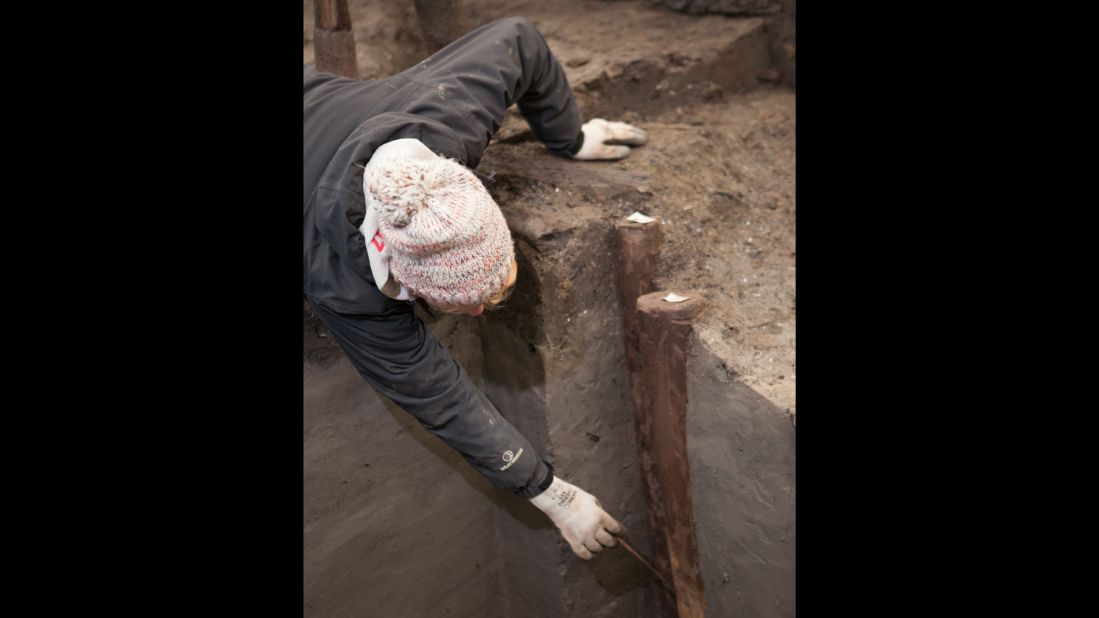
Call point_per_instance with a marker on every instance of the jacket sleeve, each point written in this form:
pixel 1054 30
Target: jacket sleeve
pixel 469 85
pixel 398 356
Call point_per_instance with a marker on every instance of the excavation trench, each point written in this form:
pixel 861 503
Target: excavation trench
pixel 397 524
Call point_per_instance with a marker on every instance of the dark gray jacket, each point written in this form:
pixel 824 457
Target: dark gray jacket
pixel 453 102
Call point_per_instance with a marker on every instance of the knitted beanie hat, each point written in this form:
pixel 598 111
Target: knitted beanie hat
pixel 450 243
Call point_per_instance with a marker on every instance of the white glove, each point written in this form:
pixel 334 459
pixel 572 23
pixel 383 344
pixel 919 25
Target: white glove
pixel 598 131
pixel 579 517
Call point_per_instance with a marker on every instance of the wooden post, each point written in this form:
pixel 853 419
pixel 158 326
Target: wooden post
pixel 666 330
pixel 333 40
pixel 638 247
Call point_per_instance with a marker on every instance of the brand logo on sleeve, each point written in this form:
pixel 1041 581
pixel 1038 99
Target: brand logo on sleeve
pixel 510 458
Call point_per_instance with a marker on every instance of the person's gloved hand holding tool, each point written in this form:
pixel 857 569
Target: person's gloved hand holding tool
pixel 579 517
pixel 600 137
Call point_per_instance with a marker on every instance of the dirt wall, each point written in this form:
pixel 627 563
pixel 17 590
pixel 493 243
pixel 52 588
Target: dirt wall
pixel 741 449
pixel 395 523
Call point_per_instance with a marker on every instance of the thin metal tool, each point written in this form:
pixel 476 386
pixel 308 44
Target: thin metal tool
pixel 637 555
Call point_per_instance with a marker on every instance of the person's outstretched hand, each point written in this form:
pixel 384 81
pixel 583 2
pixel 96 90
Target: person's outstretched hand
pixel 579 517
pixel 600 137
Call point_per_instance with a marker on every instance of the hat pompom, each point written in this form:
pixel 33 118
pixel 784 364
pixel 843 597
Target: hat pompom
pixel 403 187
